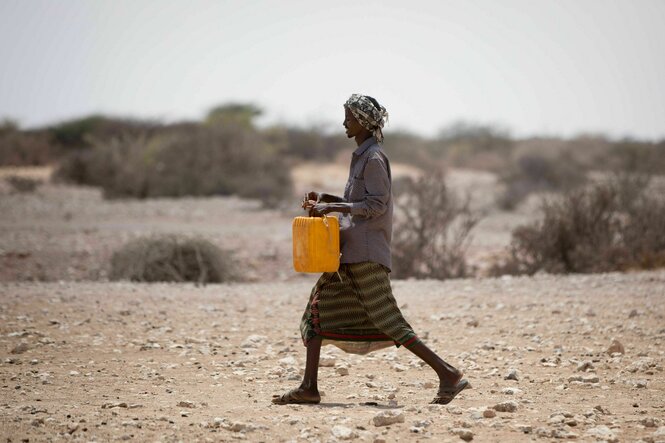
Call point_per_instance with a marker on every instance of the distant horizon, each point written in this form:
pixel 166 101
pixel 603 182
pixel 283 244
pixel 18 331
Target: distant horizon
pixel 263 121
pixel 536 68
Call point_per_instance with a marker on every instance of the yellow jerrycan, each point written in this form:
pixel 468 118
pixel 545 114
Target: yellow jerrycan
pixel 316 244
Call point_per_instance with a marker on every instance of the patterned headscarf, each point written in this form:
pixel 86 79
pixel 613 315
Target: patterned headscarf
pixel 368 114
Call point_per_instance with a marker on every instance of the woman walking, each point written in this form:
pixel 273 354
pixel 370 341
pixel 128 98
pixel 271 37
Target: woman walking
pixel 354 308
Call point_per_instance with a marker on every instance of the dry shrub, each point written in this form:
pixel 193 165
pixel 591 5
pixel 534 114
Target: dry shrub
pixel 170 258
pixel 432 227
pixel 612 226
pixel 25 148
pixel 537 173
pixel 184 161
pixel 23 184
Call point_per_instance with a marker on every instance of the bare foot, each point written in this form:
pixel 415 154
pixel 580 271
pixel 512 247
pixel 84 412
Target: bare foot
pixel 297 396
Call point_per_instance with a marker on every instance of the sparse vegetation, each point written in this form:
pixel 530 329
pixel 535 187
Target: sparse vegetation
pixel 616 225
pixel 538 173
pixel 220 159
pixel 172 258
pixel 432 227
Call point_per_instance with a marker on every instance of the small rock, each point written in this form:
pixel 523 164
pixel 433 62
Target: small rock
pixel 186 404
pixel 506 406
pixel 253 341
pixel 525 429
pixel 327 361
pixel 342 370
pixel 512 374
pixel 650 422
pixel 472 323
pixel 633 313
pixel 288 361
pixel 463 433
pixel 489 413
pixel 590 379
pixel 399 368
pixel 584 366
pixel 389 417
pixel 20 348
pixel 111 405
pixel 660 432
pixel 616 348
pixel 602 432
pixel 343 433
pixel 511 391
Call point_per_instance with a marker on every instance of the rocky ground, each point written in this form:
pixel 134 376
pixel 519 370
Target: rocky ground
pixel 81 358
pixel 577 357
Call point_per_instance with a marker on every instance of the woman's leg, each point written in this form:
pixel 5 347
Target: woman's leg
pixel 309 383
pixel 308 391
pixel 448 375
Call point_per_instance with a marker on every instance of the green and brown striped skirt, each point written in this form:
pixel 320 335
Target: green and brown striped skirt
pixel 355 310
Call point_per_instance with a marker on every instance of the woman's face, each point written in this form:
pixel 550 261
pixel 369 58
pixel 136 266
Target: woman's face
pixel 352 126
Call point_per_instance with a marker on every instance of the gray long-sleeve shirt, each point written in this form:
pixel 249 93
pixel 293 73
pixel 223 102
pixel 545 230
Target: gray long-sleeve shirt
pixel 366 232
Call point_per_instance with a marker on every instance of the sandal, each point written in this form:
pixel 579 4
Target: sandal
pixel 446 395
pixel 294 397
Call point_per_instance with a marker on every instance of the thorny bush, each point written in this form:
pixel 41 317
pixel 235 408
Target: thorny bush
pixel 432 227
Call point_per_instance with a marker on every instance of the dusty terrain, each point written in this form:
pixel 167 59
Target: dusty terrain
pixel 85 359
pixel 116 361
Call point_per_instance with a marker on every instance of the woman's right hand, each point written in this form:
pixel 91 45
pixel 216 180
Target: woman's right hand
pixel 310 199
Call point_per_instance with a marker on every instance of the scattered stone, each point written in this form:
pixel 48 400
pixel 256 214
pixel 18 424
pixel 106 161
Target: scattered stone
pixel 633 313
pixel 288 361
pixel 343 433
pixel 603 433
pixel 563 434
pixel 660 432
pixel 525 429
pixel 590 379
pixel 585 366
pixel 616 348
pixel 651 422
pixel 399 368
pixel 512 374
pixel 20 348
pixel 389 417
pixel 489 413
pixel 112 405
pixel 473 323
pixel 327 361
pixel 186 404
pixel 556 419
pixel 511 391
pixel 463 433
pixel 506 406
pixel 253 341
pixel 342 370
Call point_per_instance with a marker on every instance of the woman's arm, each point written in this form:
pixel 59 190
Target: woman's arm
pixel 329 198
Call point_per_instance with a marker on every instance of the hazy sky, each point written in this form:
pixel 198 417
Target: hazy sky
pixel 535 67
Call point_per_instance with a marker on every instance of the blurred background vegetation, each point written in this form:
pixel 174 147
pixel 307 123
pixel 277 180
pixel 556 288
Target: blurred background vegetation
pixel 584 225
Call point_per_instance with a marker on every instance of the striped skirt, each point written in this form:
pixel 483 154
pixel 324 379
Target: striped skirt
pixel 355 310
